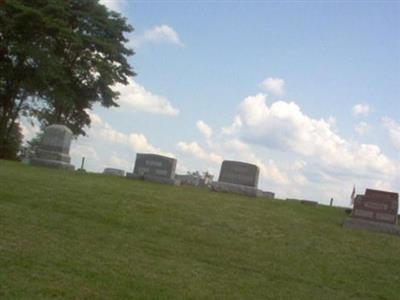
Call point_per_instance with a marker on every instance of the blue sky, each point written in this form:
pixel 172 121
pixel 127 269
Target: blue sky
pixel 309 91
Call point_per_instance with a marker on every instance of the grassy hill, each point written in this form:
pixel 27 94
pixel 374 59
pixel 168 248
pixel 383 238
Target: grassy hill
pixel 89 236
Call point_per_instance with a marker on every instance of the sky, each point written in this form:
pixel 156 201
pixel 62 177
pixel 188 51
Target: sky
pixel 309 91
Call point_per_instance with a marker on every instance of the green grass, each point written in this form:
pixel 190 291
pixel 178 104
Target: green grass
pixel 67 235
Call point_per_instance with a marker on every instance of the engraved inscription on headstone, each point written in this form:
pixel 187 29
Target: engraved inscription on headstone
pixel 378 206
pixel 363 213
pixel 153 163
pixel 385 217
pixel 375 211
pixel 237 172
pixel 155 167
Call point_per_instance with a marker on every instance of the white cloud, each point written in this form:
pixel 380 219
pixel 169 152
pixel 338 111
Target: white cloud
pixel 137 142
pixel 197 151
pixel 273 85
pixel 95 120
pixel 81 150
pixel 362 128
pixel 116 161
pixel 382 185
pixel 116 5
pixel 332 120
pixel 30 128
pixel 239 150
pixel 136 97
pixel 393 130
pixel 157 34
pixel 105 146
pixel 204 129
pixel 234 127
pixel 361 109
pixel 284 127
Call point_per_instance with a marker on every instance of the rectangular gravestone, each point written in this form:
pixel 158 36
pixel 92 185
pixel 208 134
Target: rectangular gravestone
pixel 377 206
pixel 154 167
pixel 53 151
pixel 240 178
pixel 376 210
pixel 237 172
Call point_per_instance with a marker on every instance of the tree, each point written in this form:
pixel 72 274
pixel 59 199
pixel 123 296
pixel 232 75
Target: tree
pixel 23 64
pixel 57 59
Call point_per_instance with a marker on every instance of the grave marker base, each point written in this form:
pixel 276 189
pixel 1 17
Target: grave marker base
pixel 153 178
pixel 236 189
pixel 161 179
pixel 372 226
pixel 56 164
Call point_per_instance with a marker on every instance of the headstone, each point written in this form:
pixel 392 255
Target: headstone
pixel 112 171
pixel 154 167
pixel 376 210
pixel 53 150
pixel 238 177
pixel 237 172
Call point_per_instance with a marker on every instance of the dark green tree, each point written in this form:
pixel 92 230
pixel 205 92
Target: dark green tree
pixel 57 59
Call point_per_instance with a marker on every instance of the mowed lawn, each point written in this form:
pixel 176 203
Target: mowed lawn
pixel 66 235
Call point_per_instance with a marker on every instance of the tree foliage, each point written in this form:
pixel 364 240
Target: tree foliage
pixel 57 59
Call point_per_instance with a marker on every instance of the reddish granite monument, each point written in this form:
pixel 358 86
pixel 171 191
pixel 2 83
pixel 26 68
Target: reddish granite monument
pixel 376 210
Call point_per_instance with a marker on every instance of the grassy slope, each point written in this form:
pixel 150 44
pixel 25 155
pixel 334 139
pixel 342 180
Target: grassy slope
pixel 87 236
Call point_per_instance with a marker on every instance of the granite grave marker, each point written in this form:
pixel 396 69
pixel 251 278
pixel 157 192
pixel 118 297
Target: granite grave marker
pixel 154 167
pixel 241 178
pixel 376 210
pixel 53 150
pixel 237 172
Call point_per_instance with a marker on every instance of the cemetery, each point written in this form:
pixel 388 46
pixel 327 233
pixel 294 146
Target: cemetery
pixel 64 230
pixel 148 218
pixel 199 150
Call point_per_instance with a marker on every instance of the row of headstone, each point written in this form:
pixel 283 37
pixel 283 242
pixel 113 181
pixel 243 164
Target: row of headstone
pixel 235 177
pixel 376 210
